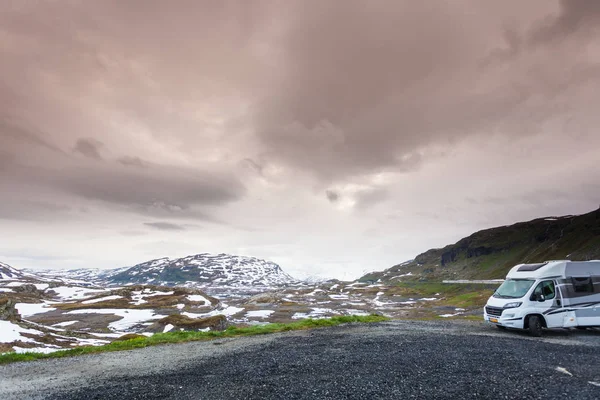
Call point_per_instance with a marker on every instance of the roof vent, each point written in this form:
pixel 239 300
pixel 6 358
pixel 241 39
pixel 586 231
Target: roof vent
pixel 531 267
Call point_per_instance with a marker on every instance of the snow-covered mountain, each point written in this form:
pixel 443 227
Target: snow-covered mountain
pixel 201 270
pixel 205 269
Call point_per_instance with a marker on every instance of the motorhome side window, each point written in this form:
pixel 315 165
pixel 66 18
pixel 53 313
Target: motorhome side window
pixel 545 288
pixel 582 284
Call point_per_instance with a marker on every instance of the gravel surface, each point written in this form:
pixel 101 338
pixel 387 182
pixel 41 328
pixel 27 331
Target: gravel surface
pixel 399 359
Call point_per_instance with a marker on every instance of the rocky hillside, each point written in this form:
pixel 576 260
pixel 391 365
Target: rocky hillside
pixel 490 253
pixel 8 274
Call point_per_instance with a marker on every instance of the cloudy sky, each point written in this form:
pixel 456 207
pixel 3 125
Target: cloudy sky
pixel 332 137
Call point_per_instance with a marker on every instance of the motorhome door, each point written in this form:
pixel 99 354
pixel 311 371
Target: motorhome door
pixel 548 300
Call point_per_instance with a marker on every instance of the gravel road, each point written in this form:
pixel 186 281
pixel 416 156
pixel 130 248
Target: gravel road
pixel 398 359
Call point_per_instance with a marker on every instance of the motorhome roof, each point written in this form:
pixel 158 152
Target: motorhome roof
pixel 538 270
pixel 554 268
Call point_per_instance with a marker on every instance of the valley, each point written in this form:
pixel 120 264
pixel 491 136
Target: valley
pixel 51 313
pixel 51 310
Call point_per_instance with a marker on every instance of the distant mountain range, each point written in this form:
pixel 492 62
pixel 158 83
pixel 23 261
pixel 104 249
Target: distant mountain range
pixel 222 270
pixel 490 253
pixel 487 254
pixel 8 273
pixel 79 276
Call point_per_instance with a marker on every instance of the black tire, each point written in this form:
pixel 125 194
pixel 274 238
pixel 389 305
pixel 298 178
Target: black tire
pixel 535 326
pixel 502 328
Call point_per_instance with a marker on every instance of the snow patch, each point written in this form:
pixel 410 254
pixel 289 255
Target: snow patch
pixel 66 323
pixel 101 299
pixel 75 292
pixel 27 309
pixel 198 298
pixel 316 313
pixel 450 315
pixel 227 312
pixel 41 286
pixel 338 296
pixel 10 332
pixel 45 350
pixel 259 313
pixel 130 317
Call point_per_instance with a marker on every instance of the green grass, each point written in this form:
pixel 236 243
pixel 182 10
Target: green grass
pixel 465 295
pixel 189 336
pixel 446 289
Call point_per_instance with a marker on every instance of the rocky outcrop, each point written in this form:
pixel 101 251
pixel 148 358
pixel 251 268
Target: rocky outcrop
pixel 27 288
pixel 8 312
pixel 215 323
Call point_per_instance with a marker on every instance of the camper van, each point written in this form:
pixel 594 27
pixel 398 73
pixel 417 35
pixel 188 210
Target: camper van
pixel 552 294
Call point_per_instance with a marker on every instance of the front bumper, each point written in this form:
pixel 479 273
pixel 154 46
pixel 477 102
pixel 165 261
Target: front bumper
pixel 509 319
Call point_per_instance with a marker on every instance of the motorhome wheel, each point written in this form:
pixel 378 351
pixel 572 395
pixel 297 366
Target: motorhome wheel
pixel 535 326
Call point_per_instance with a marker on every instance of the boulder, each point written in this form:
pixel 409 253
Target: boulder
pixel 264 298
pixel 8 312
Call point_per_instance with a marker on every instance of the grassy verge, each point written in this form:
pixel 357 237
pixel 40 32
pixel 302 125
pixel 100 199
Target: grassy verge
pixel 465 295
pixel 189 336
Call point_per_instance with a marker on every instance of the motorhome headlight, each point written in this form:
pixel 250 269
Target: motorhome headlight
pixel 514 304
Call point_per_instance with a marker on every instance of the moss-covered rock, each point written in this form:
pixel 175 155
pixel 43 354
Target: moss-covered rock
pixel 8 312
pixel 129 336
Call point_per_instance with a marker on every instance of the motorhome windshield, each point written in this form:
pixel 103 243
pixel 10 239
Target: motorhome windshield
pixel 513 288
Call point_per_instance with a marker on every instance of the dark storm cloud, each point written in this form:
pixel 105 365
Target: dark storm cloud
pixel 89 147
pixel 354 101
pixel 165 226
pixel 332 195
pixel 154 190
pixel 325 97
pixel 351 101
pixel 337 90
pixel 574 16
pixel 132 161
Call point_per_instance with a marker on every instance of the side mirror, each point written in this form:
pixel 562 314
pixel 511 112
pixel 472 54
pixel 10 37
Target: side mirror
pixel 540 297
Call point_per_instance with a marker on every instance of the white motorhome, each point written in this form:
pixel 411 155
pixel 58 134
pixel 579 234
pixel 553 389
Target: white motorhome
pixel 552 294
